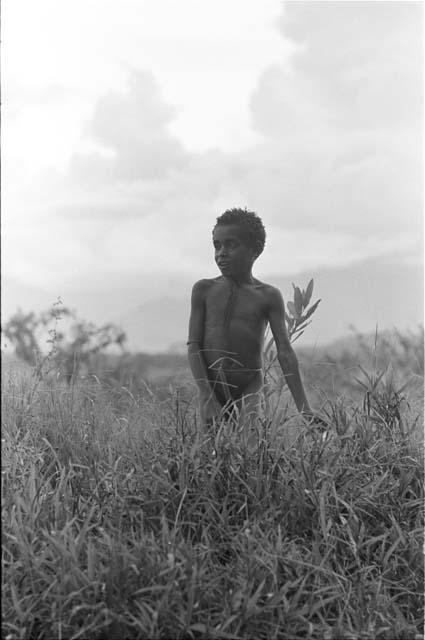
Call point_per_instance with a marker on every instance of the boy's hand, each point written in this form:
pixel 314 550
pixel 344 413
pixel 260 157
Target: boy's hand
pixel 314 418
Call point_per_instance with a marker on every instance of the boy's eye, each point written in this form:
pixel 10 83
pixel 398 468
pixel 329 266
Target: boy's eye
pixel 229 244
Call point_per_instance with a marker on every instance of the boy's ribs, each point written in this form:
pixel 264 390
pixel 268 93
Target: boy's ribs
pixel 230 303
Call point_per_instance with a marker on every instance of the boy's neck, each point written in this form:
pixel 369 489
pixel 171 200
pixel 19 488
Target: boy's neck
pixel 246 278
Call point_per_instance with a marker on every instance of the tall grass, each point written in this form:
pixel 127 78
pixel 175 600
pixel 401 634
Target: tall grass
pixel 120 520
pixel 333 369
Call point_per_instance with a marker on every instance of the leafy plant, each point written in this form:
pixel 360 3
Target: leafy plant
pixel 299 311
pixel 123 523
pixel 297 318
pixel 70 349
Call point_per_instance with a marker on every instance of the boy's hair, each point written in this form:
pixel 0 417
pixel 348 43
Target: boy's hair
pixel 250 224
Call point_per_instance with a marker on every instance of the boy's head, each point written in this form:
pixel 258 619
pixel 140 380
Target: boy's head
pixel 239 238
pixel 252 231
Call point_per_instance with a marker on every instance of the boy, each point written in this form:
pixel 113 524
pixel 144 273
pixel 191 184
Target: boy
pixel 229 315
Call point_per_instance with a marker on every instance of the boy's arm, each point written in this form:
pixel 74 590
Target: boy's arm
pixel 285 353
pixel 195 339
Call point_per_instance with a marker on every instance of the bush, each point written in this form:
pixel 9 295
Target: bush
pixel 121 520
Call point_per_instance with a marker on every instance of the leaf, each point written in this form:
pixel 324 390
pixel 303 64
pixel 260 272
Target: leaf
pixel 298 300
pixel 361 383
pixel 308 292
pixel 209 632
pixel 269 346
pixel 291 323
pixel 296 336
pixel 312 309
pixel 200 627
pixel 300 326
pixel 251 605
pixel 292 308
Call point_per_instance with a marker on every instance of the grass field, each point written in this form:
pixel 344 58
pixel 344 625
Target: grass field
pixel 120 520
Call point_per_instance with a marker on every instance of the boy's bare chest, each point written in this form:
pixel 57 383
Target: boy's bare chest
pixel 227 303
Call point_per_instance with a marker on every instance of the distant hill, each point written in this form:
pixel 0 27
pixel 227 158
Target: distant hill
pixel 362 296
pixel 157 324
pixel 376 292
pixel 155 311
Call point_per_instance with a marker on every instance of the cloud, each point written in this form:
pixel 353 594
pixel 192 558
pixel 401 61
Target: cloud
pixel 335 169
pixel 362 63
pixel 132 130
pixel 19 96
pixel 358 66
pixel 349 183
pixel 343 125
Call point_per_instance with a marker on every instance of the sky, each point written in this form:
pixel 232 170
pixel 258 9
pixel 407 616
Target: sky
pixel 128 127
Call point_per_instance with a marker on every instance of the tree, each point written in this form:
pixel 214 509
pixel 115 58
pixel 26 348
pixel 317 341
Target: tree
pixel 70 350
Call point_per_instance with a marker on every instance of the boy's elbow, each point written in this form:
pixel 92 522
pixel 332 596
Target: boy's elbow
pixel 286 356
pixel 193 347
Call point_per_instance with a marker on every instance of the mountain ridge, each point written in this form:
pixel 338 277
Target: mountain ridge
pixel 387 293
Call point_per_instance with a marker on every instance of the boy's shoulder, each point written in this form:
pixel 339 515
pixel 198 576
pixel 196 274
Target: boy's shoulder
pixel 207 282
pixel 203 285
pixel 268 289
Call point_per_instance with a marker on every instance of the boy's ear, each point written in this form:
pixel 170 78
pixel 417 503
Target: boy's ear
pixel 258 248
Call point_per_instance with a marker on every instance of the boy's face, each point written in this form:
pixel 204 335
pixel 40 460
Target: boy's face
pixel 232 254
